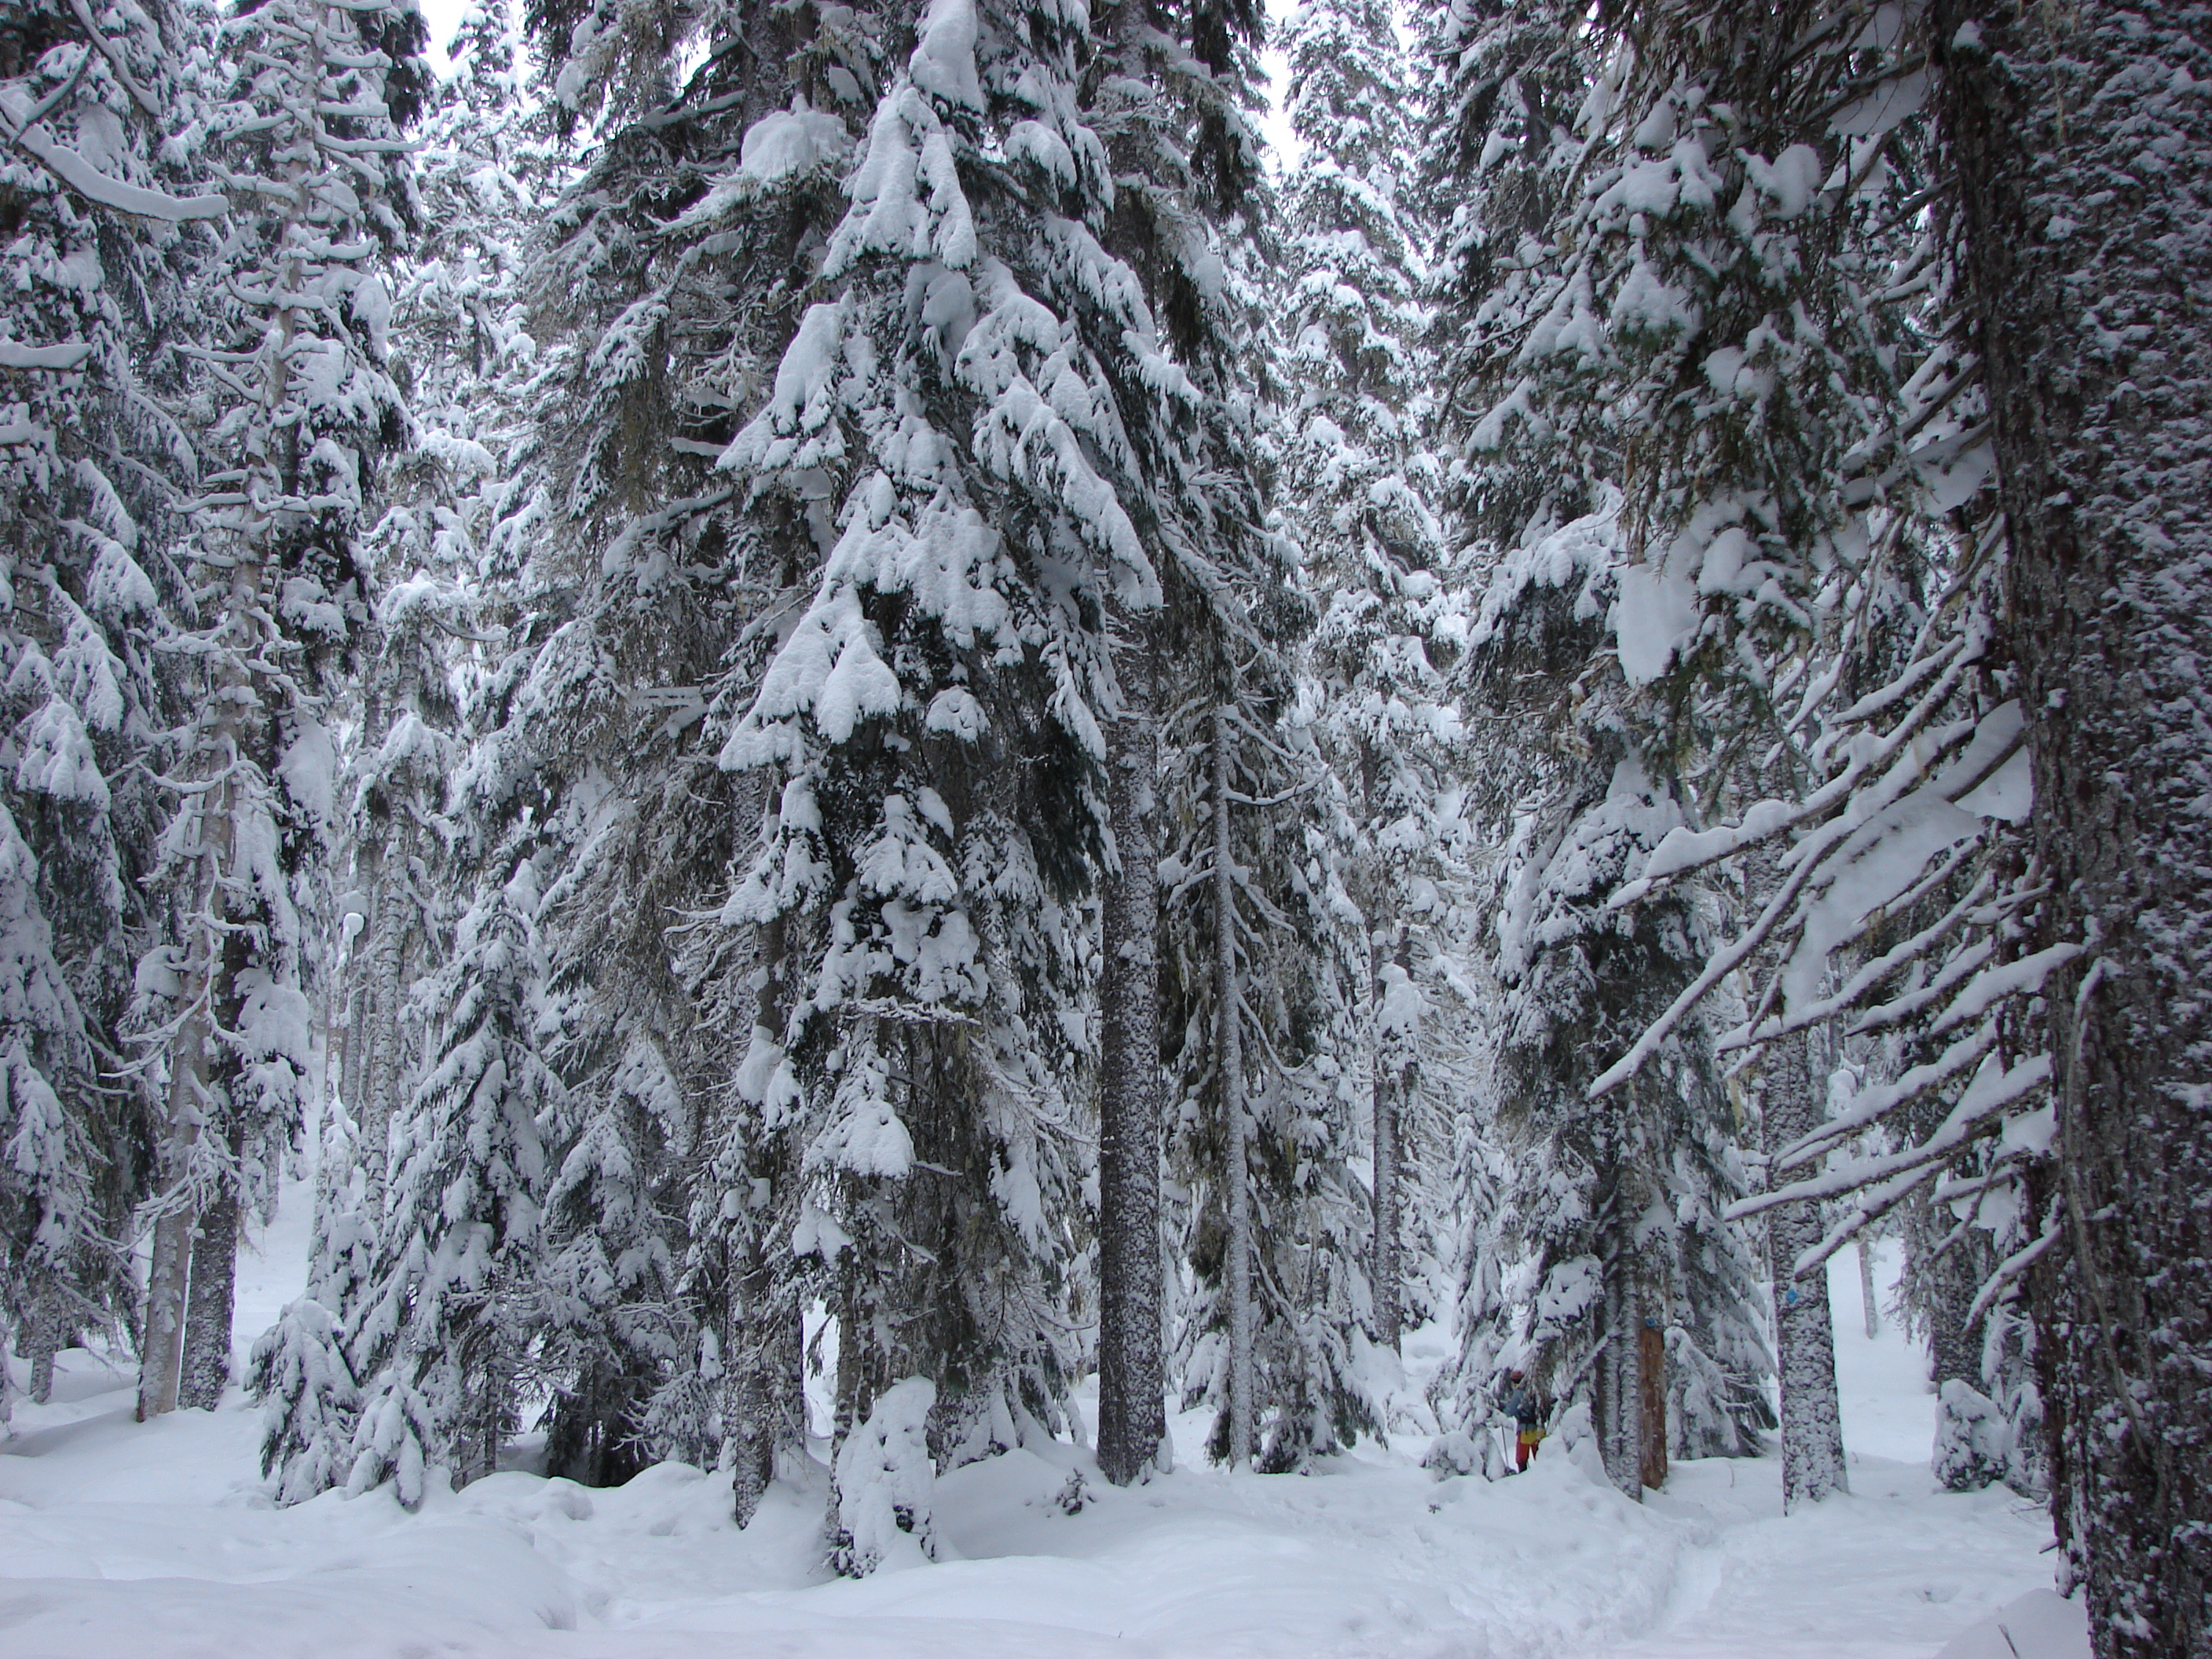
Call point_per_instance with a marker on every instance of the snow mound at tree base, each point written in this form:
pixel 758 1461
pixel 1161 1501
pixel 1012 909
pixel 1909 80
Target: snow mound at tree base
pixel 2041 1624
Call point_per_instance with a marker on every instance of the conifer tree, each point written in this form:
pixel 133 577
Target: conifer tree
pixel 1231 611
pixel 667 283
pixel 923 883
pixel 2075 145
pixel 107 230
pixel 1801 570
pixel 1610 1219
pixel 457 1286
pixel 1359 479
pixel 305 137
pixel 911 894
pixel 463 354
pixel 1802 620
pixel 406 843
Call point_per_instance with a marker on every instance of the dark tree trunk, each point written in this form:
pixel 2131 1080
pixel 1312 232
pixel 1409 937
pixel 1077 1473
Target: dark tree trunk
pixel 1389 1316
pixel 2080 137
pixel 745 1404
pixel 1950 1280
pixel 1229 1063
pixel 1615 1399
pixel 44 1336
pixel 208 1302
pixel 1389 1184
pixel 1804 1330
pixel 1790 1108
pixel 1132 1384
pixel 1652 1392
pixel 763 1335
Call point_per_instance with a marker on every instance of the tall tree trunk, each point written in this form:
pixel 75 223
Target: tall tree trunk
pixel 1389 1202
pixel 1949 1282
pixel 351 1060
pixel 1869 1307
pixel 44 1335
pixel 747 1405
pixel 207 991
pixel 1614 1395
pixel 1380 896
pixel 387 1082
pixel 2080 135
pixel 206 1369
pixel 1229 1059
pixel 162 1340
pixel 483 1430
pixel 1388 1270
pixel 1132 1381
pixel 1651 1389
pixel 764 1338
pixel 1804 1332
pixel 1804 1328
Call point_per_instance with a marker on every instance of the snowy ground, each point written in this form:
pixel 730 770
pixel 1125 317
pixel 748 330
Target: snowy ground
pixel 138 1541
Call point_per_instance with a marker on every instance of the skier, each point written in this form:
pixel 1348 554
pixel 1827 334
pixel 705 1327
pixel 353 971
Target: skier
pixel 1528 1408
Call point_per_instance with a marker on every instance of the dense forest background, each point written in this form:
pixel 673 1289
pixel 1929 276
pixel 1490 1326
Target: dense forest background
pixel 831 691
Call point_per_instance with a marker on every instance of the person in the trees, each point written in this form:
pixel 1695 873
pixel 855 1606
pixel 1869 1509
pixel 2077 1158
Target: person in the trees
pixel 1528 1408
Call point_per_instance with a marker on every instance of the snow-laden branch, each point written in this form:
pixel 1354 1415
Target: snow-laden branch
pixel 69 355
pixel 90 182
pixel 2013 1266
pixel 110 51
pixel 1872 974
pixel 1842 856
pixel 1991 1093
pixel 1684 851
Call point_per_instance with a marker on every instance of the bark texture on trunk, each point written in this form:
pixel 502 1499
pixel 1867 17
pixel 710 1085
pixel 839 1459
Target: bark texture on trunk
pixel 745 1391
pixel 350 1051
pixel 1804 1331
pixel 1229 1059
pixel 1389 1202
pixel 1651 1395
pixel 206 1368
pixel 764 1388
pixel 1615 1398
pixel 1950 1282
pixel 2080 137
pixel 169 1274
pixel 1390 1314
pixel 1131 1381
pixel 207 1000
pixel 380 1099
pixel 763 1332
pixel 43 1337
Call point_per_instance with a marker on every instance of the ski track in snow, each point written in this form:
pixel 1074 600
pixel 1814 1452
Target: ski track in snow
pixel 156 1540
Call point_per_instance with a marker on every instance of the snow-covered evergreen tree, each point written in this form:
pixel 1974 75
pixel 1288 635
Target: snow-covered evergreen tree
pixel 463 354
pixel 458 1294
pixel 2082 246
pixel 999 455
pixel 1728 326
pixel 934 714
pixel 1609 1217
pixel 665 283
pixel 407 850
pixel 1665 329
pixel 1259 1320
pixel 1357 483
pixel 305 139
pixel 107 234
